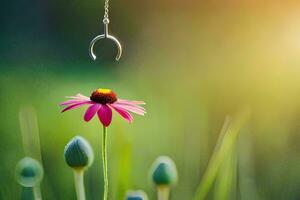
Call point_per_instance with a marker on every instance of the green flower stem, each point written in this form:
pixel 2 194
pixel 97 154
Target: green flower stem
pixel 79 183
pixel 37 192
pixel 163 192
pixel 104 160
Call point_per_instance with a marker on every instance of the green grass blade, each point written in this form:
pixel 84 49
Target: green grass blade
pixel 30 132
pixel 220 154
pixel 225 187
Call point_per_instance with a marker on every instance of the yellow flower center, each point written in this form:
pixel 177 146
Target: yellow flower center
pixel 103 96
pixel 104 91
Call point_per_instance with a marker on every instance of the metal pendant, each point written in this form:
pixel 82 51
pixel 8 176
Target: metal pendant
pixel 103 36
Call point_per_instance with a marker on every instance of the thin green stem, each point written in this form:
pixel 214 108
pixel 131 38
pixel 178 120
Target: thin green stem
pixel 163 192
pixel 37 192
pixel 104 160
pixel 79 183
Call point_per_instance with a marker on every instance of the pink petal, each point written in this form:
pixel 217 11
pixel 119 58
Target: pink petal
pixel 125 114
pixel 130 108
pixel 91 111
pixel 131 102
pixel 73 101
pixel 73 106
pixel 82 96
pixel 105 115
pixel 79 97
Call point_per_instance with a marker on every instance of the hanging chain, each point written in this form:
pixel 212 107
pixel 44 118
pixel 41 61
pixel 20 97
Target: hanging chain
pixel 105 35
pixel 106 6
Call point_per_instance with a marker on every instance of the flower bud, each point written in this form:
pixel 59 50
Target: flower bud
pixel 136 195
pixel 164 171
pixel 79 153
pixel 29 172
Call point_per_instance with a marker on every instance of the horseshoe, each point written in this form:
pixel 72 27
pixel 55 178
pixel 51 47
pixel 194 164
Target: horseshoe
pixel 103 36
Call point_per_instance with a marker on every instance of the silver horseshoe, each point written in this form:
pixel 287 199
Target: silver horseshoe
pixel 103 36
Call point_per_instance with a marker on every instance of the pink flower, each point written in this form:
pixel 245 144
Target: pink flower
pixel 102 102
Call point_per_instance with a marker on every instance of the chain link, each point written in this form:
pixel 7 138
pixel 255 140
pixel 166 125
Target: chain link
pixel 106 6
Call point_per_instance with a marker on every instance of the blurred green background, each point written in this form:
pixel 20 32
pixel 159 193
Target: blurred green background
pixel 192 62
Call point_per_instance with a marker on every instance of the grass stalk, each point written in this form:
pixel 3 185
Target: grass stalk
pixel 37 192
pixel 224 148
pixel 79 184
pixel 163 192
pixel 225 187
